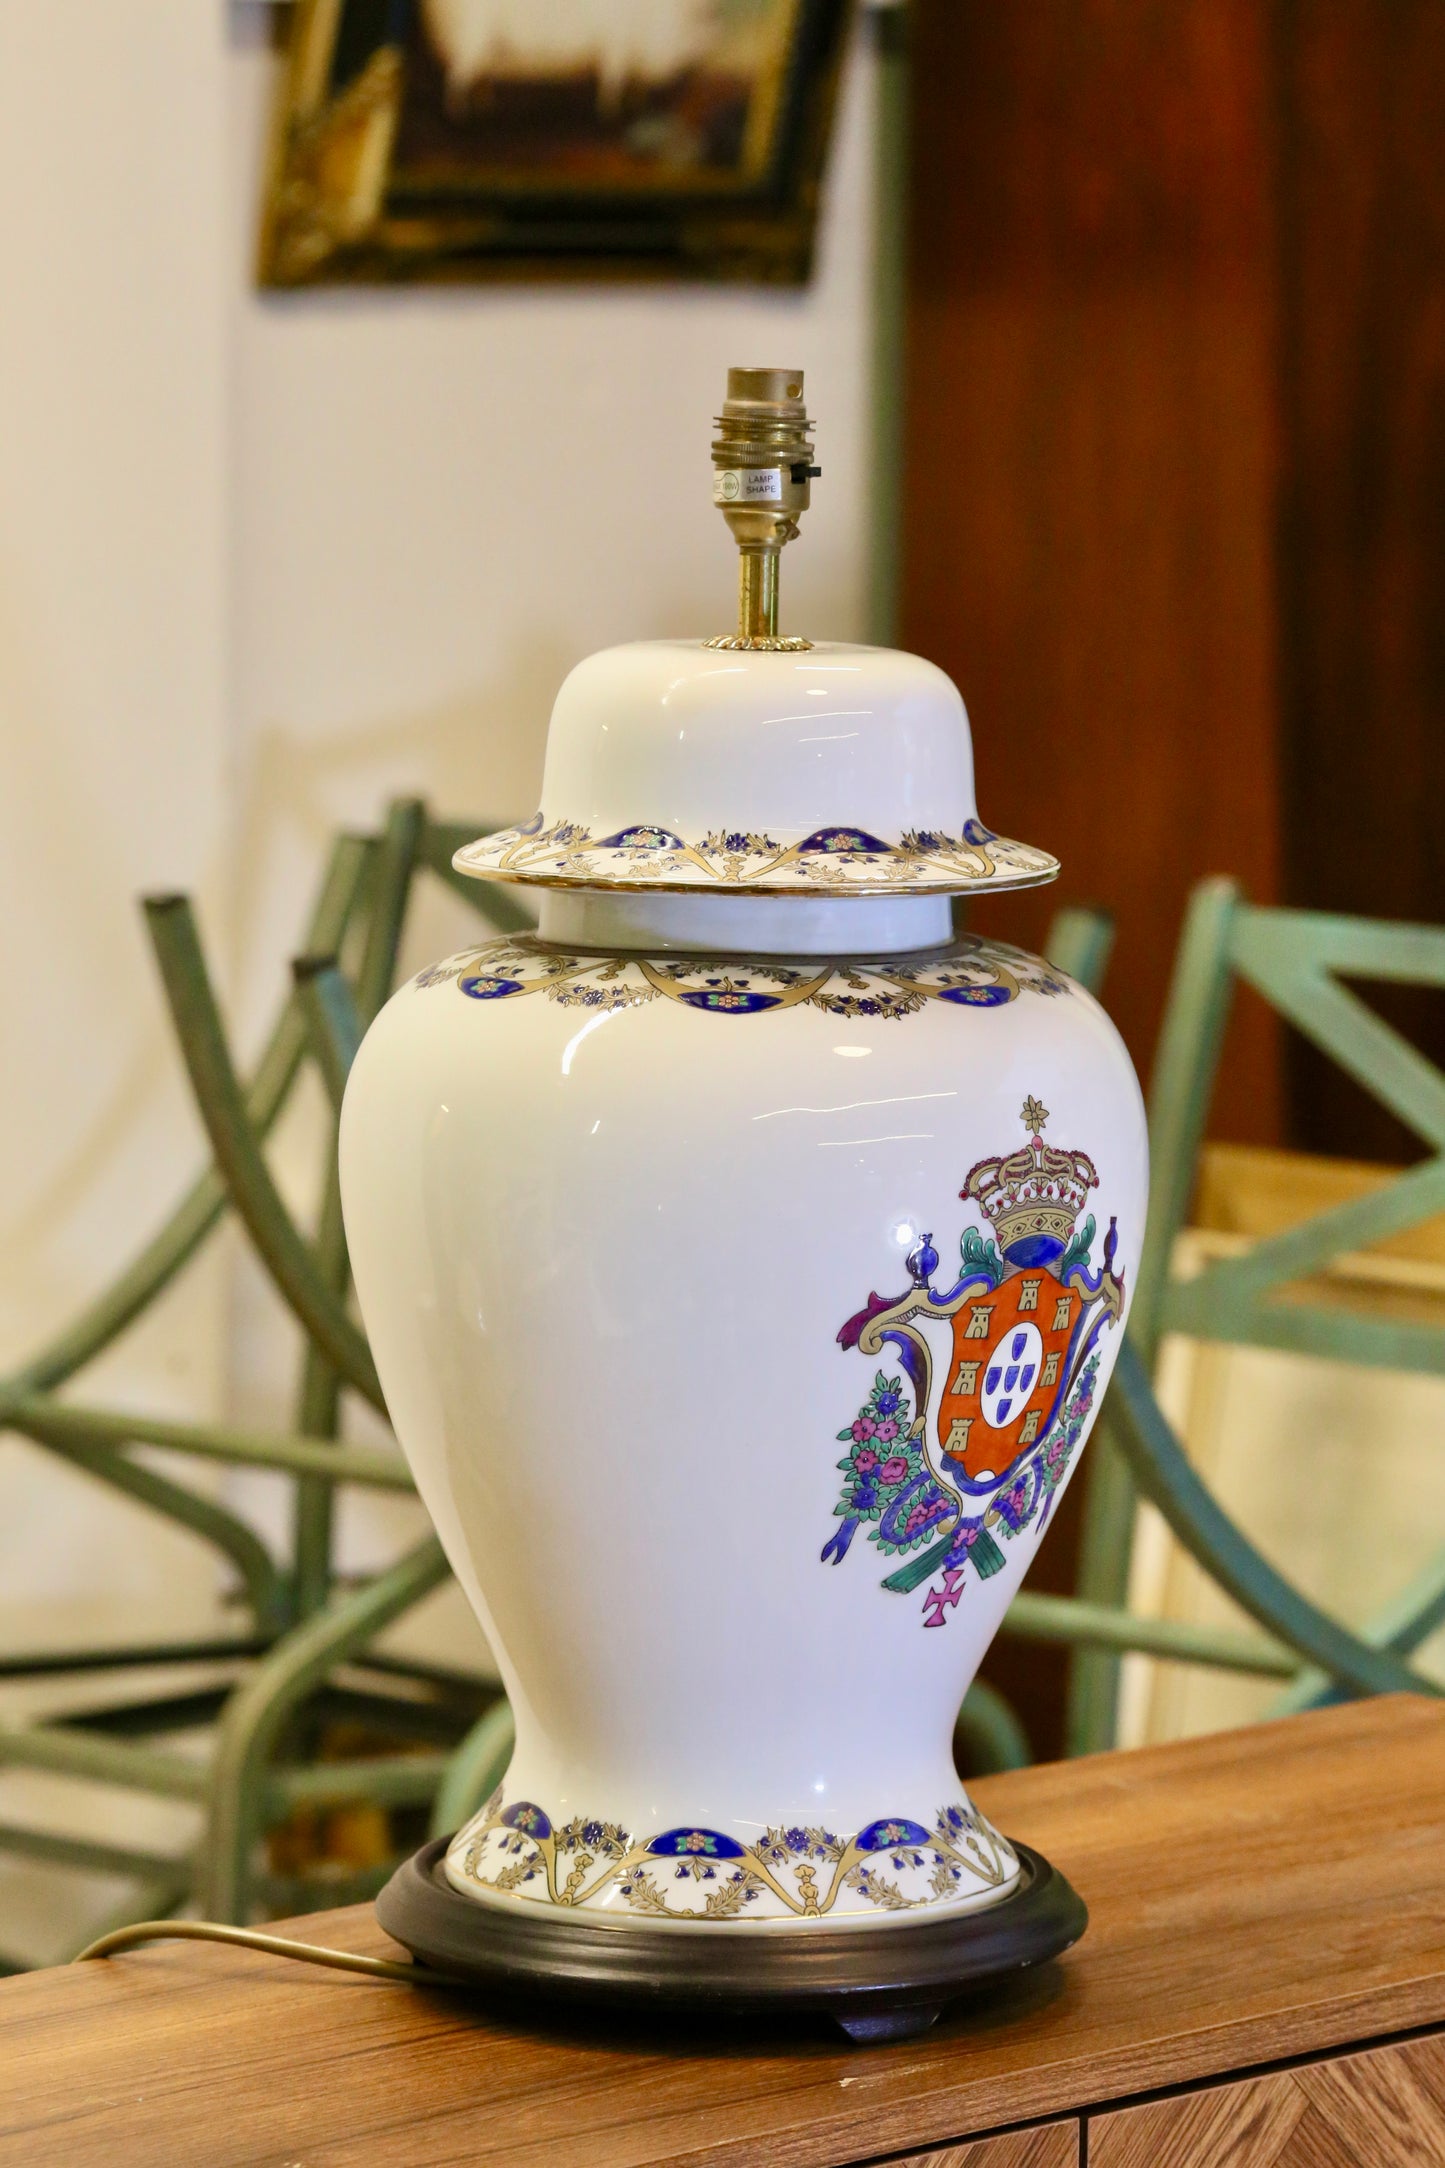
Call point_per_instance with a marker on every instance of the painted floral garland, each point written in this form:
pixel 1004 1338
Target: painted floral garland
pixel 887 1487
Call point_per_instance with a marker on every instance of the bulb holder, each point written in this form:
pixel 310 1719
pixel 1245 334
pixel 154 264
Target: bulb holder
pixel 763 467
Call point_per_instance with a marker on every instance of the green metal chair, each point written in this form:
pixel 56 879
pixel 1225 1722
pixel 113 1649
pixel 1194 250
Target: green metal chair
pixel 300 1623
pixel 1296 960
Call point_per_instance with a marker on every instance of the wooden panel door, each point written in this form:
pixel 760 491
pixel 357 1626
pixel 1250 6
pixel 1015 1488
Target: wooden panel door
pixel 1174 468
pixel 1361 556
pixel 1384 2108
pixel 1048 2145
pixel 1089 495
pixel 1089 479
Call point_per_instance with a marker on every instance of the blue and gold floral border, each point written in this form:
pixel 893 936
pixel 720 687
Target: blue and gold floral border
pixel 970 973
pixel 566 854
pixel 895 1864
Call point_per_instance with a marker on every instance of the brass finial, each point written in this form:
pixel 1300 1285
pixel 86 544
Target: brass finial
pixel 761 460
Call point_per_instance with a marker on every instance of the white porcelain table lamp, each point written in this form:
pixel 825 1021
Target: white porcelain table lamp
pixel 744 1256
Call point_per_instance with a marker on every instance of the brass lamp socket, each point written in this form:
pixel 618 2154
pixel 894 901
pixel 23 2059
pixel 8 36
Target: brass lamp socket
pixel 762 468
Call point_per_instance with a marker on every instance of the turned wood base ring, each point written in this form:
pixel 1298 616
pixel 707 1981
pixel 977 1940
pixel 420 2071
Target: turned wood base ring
pixel 880 1983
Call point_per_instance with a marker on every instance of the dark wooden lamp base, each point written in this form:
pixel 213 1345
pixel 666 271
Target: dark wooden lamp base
pixel 880 1983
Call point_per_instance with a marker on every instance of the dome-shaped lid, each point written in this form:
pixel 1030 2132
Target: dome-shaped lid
pixel 753 763
pixel 675 765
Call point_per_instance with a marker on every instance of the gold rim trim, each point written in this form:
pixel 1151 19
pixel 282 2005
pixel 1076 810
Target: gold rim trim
pixel 992 884
pixel 835 860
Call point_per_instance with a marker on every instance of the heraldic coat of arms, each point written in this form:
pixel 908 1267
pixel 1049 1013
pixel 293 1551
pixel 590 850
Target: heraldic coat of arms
pixel 968 1443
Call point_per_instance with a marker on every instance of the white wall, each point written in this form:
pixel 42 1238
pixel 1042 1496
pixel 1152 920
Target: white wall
pixel 115 744
pixel 442 499
pixel 115 711
pixel 265 560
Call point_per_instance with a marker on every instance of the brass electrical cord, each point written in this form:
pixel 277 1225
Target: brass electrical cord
pixel 248 1938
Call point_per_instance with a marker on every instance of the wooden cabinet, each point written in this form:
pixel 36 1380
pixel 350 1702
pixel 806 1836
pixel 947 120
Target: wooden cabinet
pixel 1262 1984
pixel 1381 2108
pixel 1047 2145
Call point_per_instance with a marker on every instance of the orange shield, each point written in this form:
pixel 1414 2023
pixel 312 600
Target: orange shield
pixel 1010 1348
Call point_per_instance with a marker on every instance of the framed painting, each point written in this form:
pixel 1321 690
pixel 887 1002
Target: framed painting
pixel 471 139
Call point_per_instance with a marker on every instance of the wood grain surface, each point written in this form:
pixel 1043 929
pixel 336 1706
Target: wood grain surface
pixel 1047 2145
pixel 1361 552
pixel 1090 504
pixel 1256 1895
pixel 1092 446
pixel 1382 2109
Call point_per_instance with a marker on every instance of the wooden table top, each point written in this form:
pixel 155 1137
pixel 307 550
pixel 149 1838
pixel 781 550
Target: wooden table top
pixel 1254 1895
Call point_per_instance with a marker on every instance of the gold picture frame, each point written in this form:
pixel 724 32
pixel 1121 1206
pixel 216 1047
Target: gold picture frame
pixel 486 139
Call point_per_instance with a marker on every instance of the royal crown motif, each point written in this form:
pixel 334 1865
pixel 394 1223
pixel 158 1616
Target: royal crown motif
pixel 1033 1197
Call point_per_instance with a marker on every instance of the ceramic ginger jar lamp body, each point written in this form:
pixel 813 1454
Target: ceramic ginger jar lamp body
pixel 744 1256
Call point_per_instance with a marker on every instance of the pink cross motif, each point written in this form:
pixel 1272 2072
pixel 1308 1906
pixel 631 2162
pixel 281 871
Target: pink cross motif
pixel 942 1599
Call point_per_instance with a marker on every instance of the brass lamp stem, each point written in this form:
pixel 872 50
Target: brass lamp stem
pixel 757 594
pixel 762 466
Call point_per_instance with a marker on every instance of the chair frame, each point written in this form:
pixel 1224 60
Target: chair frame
pixel 302 1623
pixel 1295 960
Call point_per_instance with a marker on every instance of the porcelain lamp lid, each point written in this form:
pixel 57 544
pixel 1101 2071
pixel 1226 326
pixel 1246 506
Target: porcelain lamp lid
pixel 754 762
